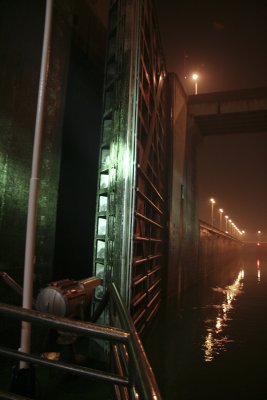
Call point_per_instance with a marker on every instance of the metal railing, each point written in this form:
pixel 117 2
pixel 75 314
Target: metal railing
pixel 133 378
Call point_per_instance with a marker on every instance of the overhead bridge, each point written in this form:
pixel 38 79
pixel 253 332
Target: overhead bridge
pixel 232 112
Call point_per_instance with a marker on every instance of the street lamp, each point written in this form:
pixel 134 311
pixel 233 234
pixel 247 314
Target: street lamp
pixel 221 213
pixel 212 205
pixel 226 220
pixel 234 229
pixel 195 78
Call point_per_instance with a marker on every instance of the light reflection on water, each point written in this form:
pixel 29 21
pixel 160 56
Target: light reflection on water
pixel 217 348
pixel 258 271
pixel 216 341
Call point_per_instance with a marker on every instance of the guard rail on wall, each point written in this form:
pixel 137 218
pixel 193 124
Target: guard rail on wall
pixel 205 225
pixel 133 378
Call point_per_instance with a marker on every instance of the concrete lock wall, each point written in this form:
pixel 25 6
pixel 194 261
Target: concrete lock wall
pixel 183 221
pixel 22 25
pixel 216 250
pixel 80 144
pixel 73 47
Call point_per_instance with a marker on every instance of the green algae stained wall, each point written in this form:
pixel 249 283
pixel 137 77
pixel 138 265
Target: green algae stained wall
pixel 21 36
pixel 80 144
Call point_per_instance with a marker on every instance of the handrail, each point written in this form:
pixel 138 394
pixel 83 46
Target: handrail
pixel 11 283
pixel 211 228
pixel 144 375
pixel 66 367
pixel 140 382
pixel 63 323
pixel 12 396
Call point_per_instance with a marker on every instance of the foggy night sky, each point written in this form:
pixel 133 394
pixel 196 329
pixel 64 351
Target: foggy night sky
pixel 225 42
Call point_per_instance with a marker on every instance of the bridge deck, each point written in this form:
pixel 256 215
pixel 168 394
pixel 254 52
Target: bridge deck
pixel 240 111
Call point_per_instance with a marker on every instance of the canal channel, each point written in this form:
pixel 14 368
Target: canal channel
pixel 216 346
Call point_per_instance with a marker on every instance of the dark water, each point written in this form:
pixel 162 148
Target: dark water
pixel 216 348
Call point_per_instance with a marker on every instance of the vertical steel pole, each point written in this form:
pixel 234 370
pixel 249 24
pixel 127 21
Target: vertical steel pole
pixel 226 221
pixel 25 343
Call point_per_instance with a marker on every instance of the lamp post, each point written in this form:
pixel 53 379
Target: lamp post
pixel 212 205
pixel 221 213
pixel 232 228
pixel 229 224
pixel 195 78
pixel 259 236
pixel 226 220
